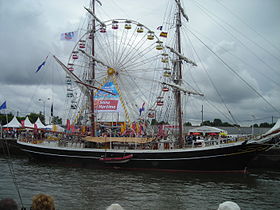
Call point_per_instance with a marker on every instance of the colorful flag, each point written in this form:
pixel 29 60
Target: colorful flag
pixel 163 34
pixel 159 28
pixel 3 106
pixel 54 127
pixel 123 127
pixel 39 67
pixel 83 130
pixel 137 128
pixel 72 128
pixel 142 108
pixel 68 125
pixel 69 36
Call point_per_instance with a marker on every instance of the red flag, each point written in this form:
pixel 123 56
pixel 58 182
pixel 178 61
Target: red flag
pixel 68 125
pixel 35 128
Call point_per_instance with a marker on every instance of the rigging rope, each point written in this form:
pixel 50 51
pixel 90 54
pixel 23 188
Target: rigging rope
pixel 213 84
pixel 242 43
pixel 233 71
pixel 263 74
pixel 259 34
pixel 11 169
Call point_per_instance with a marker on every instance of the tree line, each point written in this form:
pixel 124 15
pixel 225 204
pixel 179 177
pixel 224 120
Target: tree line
pixel 217 123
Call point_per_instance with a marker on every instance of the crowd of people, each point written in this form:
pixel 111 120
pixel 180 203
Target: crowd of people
pixel 46 202
pixel 39 202
pixel 10 133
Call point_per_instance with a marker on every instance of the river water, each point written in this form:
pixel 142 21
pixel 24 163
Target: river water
pixel 78 188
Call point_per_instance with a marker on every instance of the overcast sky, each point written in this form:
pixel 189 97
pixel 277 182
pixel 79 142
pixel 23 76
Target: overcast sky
pixel 245 34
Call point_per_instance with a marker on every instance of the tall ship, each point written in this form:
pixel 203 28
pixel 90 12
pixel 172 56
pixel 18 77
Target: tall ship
pixel 127 92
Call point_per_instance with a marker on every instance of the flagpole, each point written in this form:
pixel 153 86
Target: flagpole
pixel 93 74
pixel 51 117
pixel 1 136
pixel 178 80
pixel 6 117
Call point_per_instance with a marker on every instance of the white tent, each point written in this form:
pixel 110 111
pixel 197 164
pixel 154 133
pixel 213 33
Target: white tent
pixel 27 123
pixel 14 123
pixel 54 128
pixel 206 130
pixel 39 123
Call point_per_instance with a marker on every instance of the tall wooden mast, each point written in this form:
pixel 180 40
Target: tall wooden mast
pixel 92 67
pixel 178 78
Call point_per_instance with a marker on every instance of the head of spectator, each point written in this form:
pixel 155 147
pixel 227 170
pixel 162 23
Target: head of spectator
pixel 115 206
pixel 42 202
pixel 8 204
pixel 228 205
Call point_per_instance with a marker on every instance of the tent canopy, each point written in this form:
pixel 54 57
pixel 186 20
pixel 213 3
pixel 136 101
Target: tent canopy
pixel 206 130
pixel 14 123
pixel 39 123
pixel 27 123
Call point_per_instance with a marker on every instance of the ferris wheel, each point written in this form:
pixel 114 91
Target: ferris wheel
pixel 131 61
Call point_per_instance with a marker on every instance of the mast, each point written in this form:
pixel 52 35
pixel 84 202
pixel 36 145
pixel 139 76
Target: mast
pixel 92 67
pixel 202 114
pixel 178 78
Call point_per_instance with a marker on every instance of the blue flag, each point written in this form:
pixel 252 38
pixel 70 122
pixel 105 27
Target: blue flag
pixel 159 28
pixel 39 67
pixel 3 106
pixel 142 108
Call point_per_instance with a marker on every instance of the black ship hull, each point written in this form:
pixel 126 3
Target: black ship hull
pixel 233 158
pixel 266 160
pixel 9 146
